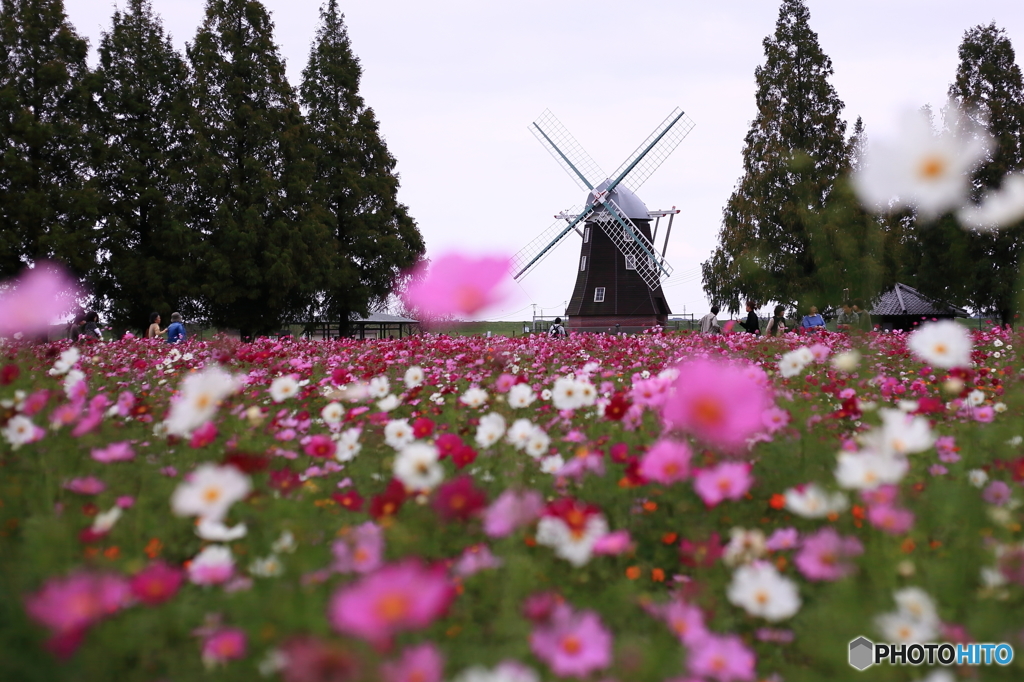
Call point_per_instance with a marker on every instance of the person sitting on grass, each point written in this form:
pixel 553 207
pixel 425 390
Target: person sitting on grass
pixel 176 330
pixel 813 321
pixel 847 320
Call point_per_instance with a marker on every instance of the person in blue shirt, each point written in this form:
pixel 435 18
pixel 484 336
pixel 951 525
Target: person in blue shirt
pixel 813 321
pixel 176 330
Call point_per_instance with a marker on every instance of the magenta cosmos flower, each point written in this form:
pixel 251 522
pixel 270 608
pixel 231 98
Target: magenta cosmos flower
pixel 35 299
pixel 422 663
pixel 397 597
pixel 573 644
pixel 77 601
pixel 456 284
pixel 726 481
pixel 825 555
pixel 717 402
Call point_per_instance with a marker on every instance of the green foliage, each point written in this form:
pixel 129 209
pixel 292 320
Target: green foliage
pixel 265 241
pixel 143 117
pixel 374 236
pixel 48 197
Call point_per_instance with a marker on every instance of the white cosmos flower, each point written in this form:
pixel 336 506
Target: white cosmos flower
pixel 285 543
pixel 587 394
pixel 210 491
pixel 474 397
pixel 378 387
pixel 813 502
pixel 200 394
pixel 417 467
pixel 490 430
pixel 945 344
pixel 283 387
pixel 19 430
pixel 846 361
pixel 868 470
pixel 508 671
pixel 552 464
pixel 744 546
pixel 901 434
pixel 916 603
pixel 791 364
pixel 565 394
pixel 103 522
pixel 266 567
pixel 348 445
pixel 575 546
pixel 520 396
pixel 760 590
pixel 413 377
pixel 538 444
pixel 71 380
pixel 545 394
pixel 997 209
pixel 65 362
pixel 398 433
pixel 388 402
pixel 902 629
pixel 519 433
pixel 920 169
pixel 212 565
pixel 332 413
pixel 977 477
pixel 976 398
pixel 215 531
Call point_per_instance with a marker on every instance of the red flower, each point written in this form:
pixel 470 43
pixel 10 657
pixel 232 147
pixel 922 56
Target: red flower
pixel 9 373
pixel 463 456
pixel 422 428
pixel 617 407
pixel 388 502
pixel 284 481
pixel 203 436
pixel 447 444
pixel 156 583
pixel 458 499
pixel 247 463
pixel 350 499
pixel 930 406
pixel 700 554
pixel 619 453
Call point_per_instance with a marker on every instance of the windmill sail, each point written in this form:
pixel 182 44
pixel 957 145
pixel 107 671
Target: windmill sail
pixel 560 143
pixel 653 151
pixel 541 245
pixel 632 243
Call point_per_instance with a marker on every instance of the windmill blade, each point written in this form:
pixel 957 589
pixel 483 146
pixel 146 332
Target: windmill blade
pixel 541 245
pixel 631 242
pixel 550 132
pixel 653 151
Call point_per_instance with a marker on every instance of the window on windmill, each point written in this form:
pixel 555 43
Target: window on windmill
pixel 586 235
pixel 583 263
pixel 598 294
pixel 631 262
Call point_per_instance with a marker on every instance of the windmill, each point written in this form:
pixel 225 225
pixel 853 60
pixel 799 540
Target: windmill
pixel 619 280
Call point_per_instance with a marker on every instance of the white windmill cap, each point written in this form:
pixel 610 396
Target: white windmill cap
pixel 628 202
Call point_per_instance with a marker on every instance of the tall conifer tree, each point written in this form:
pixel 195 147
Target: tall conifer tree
pixel 48 199
pixel 144 111
pixel 374 236
pixel 793 153
pixel 265 242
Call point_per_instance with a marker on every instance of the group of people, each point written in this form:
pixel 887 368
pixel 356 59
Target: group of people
pixel 852 318
pixel 175 330
pixel 86 326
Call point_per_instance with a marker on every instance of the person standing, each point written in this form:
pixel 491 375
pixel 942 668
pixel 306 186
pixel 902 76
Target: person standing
pixel 176 330
pixel 777 325
pixel 813 321
pixel 753 323
pixel 91 330
pixel 709 323
pixel 557 331
pixel 863 317
pixel 847 320
pixel 154 327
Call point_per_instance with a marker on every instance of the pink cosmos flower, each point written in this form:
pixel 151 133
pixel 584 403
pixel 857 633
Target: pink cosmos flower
pixel 892 519
pixel 74 603
pixel 212 566
pixel 573 643
pixel 726 481
pixel 667 462
pixel 203 436
pixel 783 538
pixel 88 485
pixel 685 620
pixel 224 645
pixel 774 418
pixel 717 402
pixel 984 414
pixel 474 559
pixel 724 659
pixel 310 659
pixel 156 583
pixel 115 452
pixel 36 299
pixel 400 596
pixel 882 495
pixel 423 663
pixel 360 551
pixel 996 493
pixel 824 554
pixel 511 511
pixel 456 285
pixel 320 446
pixel 613 543
pixel 947 449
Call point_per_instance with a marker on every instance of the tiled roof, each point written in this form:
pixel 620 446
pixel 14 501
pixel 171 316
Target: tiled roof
pixel 381 317
pixel 904 300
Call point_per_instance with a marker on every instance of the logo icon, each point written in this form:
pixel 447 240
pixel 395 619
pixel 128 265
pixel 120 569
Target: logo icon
pixel 862 653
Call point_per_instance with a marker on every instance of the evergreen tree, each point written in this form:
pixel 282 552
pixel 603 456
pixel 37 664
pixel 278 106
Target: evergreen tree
pixel 48 199
pixel 374 236
pixel 265 245
pixel 144 109
pixel 793 154
pixel 989 90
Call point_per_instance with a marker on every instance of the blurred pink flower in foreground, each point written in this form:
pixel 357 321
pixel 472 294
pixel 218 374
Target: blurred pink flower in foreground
pixel 422 663
pixel 76 602
pixel 400 596
pixel 728 480
pixel 455 284
pixel 717 402
pixel 36 299
pixel 573 644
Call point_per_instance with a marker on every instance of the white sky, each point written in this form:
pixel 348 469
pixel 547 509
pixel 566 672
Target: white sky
pixel 455 83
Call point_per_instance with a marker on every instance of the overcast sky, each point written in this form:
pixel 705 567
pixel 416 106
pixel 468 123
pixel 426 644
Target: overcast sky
pixel 455 83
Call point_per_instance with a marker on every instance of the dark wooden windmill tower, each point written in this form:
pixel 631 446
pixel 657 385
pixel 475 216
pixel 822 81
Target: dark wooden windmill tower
pixel 618 285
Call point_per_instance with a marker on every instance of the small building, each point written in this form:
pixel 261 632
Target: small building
pixel 382 326
pixel 904 308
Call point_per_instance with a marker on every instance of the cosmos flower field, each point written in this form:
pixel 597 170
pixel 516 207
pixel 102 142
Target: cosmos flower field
pixel 657 507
